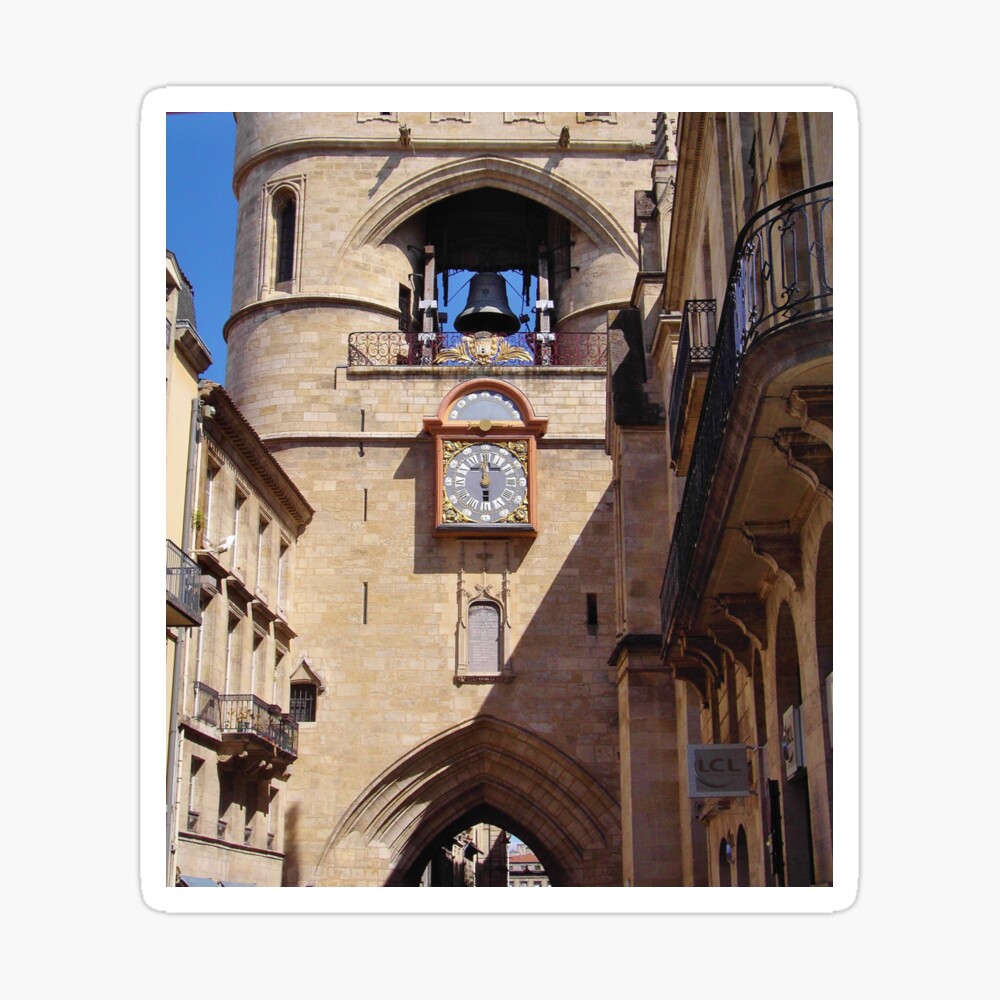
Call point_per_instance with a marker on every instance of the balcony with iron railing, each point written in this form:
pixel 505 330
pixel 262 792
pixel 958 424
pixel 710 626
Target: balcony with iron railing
pixel 247 723
pixel 780 286
pixel 379 348
pixel 690 376
pixel 183 588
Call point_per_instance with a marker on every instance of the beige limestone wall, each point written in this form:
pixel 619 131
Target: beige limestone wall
pixel 360 204
pixel 259 131
pixel 379 600
pixel 390 665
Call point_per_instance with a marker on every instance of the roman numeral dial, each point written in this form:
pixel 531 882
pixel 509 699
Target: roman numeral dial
pixel 485 482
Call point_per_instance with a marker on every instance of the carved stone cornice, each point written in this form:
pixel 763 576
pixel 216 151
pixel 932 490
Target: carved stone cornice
pixel 240 439
pixel 777 543
pixel 643 647
pixel 807 455
pixel 813 406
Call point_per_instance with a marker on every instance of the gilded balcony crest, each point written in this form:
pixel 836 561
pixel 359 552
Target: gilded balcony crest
pixel 484 348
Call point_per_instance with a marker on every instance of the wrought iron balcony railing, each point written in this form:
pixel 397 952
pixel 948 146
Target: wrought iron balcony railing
pixel 781 275
pixel 183 588
pixel 394 347
pixel 694 351
pixel 247 714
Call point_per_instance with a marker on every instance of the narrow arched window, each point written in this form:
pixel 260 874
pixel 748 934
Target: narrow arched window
pixel 485 648
pixel 285 239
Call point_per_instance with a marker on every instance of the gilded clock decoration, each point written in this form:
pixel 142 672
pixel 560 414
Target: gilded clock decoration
pixel 485 482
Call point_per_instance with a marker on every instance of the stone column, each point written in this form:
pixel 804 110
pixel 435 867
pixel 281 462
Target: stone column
pixel 650 776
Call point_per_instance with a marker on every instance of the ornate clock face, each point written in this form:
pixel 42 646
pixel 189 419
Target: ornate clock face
pixel 484 404
pixel 485 482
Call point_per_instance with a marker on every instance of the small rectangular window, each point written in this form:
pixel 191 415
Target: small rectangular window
pixel 194 794
pixel 232 650
pixel 256 653
pixel 263 561
pixel 592 613
pixel 285 216
pixel 239 530
pixel 210 498
pixel 282 575
pixel 303 702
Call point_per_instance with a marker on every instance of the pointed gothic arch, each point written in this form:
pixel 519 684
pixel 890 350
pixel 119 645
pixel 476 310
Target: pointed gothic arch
pixel 485 766
pixel 526 179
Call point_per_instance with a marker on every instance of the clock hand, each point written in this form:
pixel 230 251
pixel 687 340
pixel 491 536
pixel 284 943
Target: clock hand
pixel 484 479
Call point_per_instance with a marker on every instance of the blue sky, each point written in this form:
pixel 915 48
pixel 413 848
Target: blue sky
pixel 201 219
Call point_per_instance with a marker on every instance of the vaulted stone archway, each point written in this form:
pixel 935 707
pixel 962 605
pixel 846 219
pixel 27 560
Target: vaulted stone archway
pixel 562 196
pixel 484 768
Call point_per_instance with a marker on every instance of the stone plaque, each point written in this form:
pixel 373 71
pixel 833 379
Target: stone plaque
pixel 484 638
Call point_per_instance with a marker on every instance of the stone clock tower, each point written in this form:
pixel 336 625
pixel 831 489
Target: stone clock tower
pixel 454 593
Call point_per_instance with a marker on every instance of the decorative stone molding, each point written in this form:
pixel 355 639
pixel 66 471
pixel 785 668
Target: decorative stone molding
pixel 705 648
pixel 813 406
pixel 732 638
pixel 748 613
pixel 807 455
pixel 493 592
pixel 304 672
pixel 451 116
pixel 484 761
pixel 573 202
pixel 778 545
pixel 266 283
pixel 378 116
pixel 509 117
pixel 697 660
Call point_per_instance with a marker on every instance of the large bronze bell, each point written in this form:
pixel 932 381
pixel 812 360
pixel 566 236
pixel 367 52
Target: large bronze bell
pixel 487 307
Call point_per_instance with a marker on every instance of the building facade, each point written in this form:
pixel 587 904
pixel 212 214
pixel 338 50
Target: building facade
pixel 524 870
pixel 509 613
pixel 745 348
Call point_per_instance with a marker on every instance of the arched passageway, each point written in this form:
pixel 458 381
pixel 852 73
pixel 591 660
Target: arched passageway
pixel 483 770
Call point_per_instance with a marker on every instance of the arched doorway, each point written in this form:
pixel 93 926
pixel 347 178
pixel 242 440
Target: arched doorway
pixel 794 787
pixel 725 869
pixel 436 865
pixel 742 857
pixel 483 770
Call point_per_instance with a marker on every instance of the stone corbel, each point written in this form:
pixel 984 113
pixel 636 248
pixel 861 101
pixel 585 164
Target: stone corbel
pixel 704 648
pixel 811 457
pixel 692 669
pixel 812 406
pixel 778 545
pixel 733 639
pixel 748 613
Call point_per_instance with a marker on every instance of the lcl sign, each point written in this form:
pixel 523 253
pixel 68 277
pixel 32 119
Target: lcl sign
pixel 717 769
